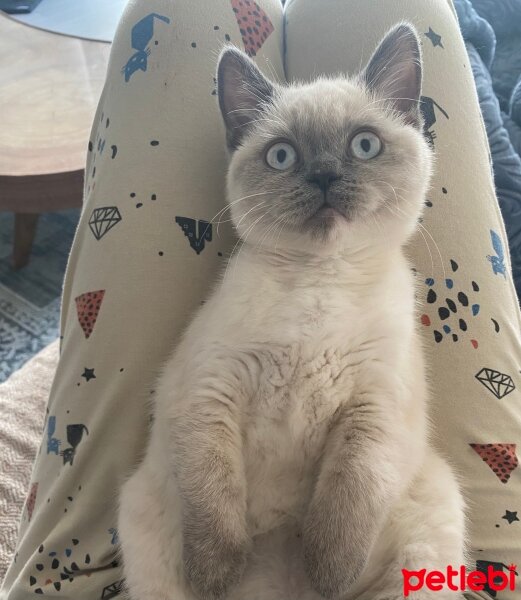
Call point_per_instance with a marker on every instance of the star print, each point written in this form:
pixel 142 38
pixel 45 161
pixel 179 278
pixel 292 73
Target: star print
pixel 88 374
pixel 510 516
pixel 434 38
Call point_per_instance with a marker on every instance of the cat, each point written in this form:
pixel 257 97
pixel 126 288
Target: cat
pixel 289 457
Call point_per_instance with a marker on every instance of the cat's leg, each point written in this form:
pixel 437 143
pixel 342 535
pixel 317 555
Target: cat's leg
pixel 425 532
pixel 368 461
pixel 203 443
pixel 150 534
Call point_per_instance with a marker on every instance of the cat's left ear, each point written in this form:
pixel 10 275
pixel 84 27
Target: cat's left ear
pixel 243 92
pixel 394 72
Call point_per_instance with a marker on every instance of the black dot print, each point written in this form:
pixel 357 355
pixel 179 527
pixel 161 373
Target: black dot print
pixel 55 563
pixel 74 541
pixel 227 37
pixel 444 190
pixel 216 27
pixel 431 296
pixel 39 566
pixel 443 312
pixel 32 580
pixel 454 337
pixel 475 286
pixel 57 585
pixel 428 203
pixel 40 549
pixel 219 253
pixel 194 45
pixel 153 197
pixel 90 146
pixel 154 143
pixel 496 325
pixel 452 305
pixel 132 194
pixel 160 253
pixel 121 370
pixel 114 151
pixel 139 204
pixel 107 123
pixel 437 336
pixel 462 297
pixel 454 265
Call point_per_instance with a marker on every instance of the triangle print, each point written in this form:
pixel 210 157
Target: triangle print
pixel 254 24
pixel 501 458
pixel 88 306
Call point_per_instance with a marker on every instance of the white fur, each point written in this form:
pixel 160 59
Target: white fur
pixel 310 332
pixel 297 333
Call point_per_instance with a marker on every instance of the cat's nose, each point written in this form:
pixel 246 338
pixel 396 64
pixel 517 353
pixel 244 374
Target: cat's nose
pixel 323 178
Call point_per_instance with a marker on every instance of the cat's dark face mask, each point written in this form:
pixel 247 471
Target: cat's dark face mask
pixel 331 161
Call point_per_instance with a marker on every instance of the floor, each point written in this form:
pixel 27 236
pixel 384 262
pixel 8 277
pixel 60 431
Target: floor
pixel 30 297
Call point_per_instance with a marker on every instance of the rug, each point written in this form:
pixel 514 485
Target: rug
pixel 30 297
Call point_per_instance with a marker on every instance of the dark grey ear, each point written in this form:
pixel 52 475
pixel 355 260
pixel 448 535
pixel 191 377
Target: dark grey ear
pixel 243 92
pixel 395 72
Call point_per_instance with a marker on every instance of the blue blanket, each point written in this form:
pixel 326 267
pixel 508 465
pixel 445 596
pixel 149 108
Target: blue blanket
pixel 492 34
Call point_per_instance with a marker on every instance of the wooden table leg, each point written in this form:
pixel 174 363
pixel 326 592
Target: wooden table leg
pixel 24 232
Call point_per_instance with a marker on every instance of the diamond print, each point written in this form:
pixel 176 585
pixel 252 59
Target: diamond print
pixel 498 383
pixel 102 220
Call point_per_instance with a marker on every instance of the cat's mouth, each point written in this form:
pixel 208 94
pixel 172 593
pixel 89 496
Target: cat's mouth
pixel 328 211
pixel 324 220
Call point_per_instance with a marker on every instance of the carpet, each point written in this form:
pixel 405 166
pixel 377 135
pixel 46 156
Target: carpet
pixel 30 297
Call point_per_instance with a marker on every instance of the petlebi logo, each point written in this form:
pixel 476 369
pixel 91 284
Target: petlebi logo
pixel 489 578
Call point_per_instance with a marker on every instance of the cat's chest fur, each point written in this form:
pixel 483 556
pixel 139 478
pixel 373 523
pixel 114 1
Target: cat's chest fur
pixel 285 425
pixel 294 345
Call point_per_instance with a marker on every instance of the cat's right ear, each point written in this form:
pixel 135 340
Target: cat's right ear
pixel 394 72
pixel 243 93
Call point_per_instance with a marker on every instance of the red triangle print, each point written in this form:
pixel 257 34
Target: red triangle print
pixel 501 458
pixel 88 306
pixel 254 24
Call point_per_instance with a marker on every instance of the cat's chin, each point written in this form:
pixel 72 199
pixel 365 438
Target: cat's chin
pixel 326 224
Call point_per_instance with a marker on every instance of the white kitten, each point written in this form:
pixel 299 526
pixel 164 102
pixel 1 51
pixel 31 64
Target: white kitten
pixel 289 455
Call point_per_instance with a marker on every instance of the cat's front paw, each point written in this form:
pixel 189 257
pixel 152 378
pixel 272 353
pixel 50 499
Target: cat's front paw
pixel 214 563
pixel 332 563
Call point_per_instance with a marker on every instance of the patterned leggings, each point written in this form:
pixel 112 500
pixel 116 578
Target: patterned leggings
pixel 148 248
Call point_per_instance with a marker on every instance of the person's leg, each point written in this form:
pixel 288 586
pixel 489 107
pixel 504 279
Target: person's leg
pixel 145 254
pixel 469 311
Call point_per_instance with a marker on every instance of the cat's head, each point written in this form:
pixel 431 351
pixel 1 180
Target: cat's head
pixel 332 165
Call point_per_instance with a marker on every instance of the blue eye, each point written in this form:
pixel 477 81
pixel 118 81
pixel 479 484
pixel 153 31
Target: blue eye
pixel 281 156
pixel 365 145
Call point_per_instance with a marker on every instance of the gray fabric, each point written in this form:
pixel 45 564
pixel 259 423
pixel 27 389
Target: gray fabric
pixel 492 33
